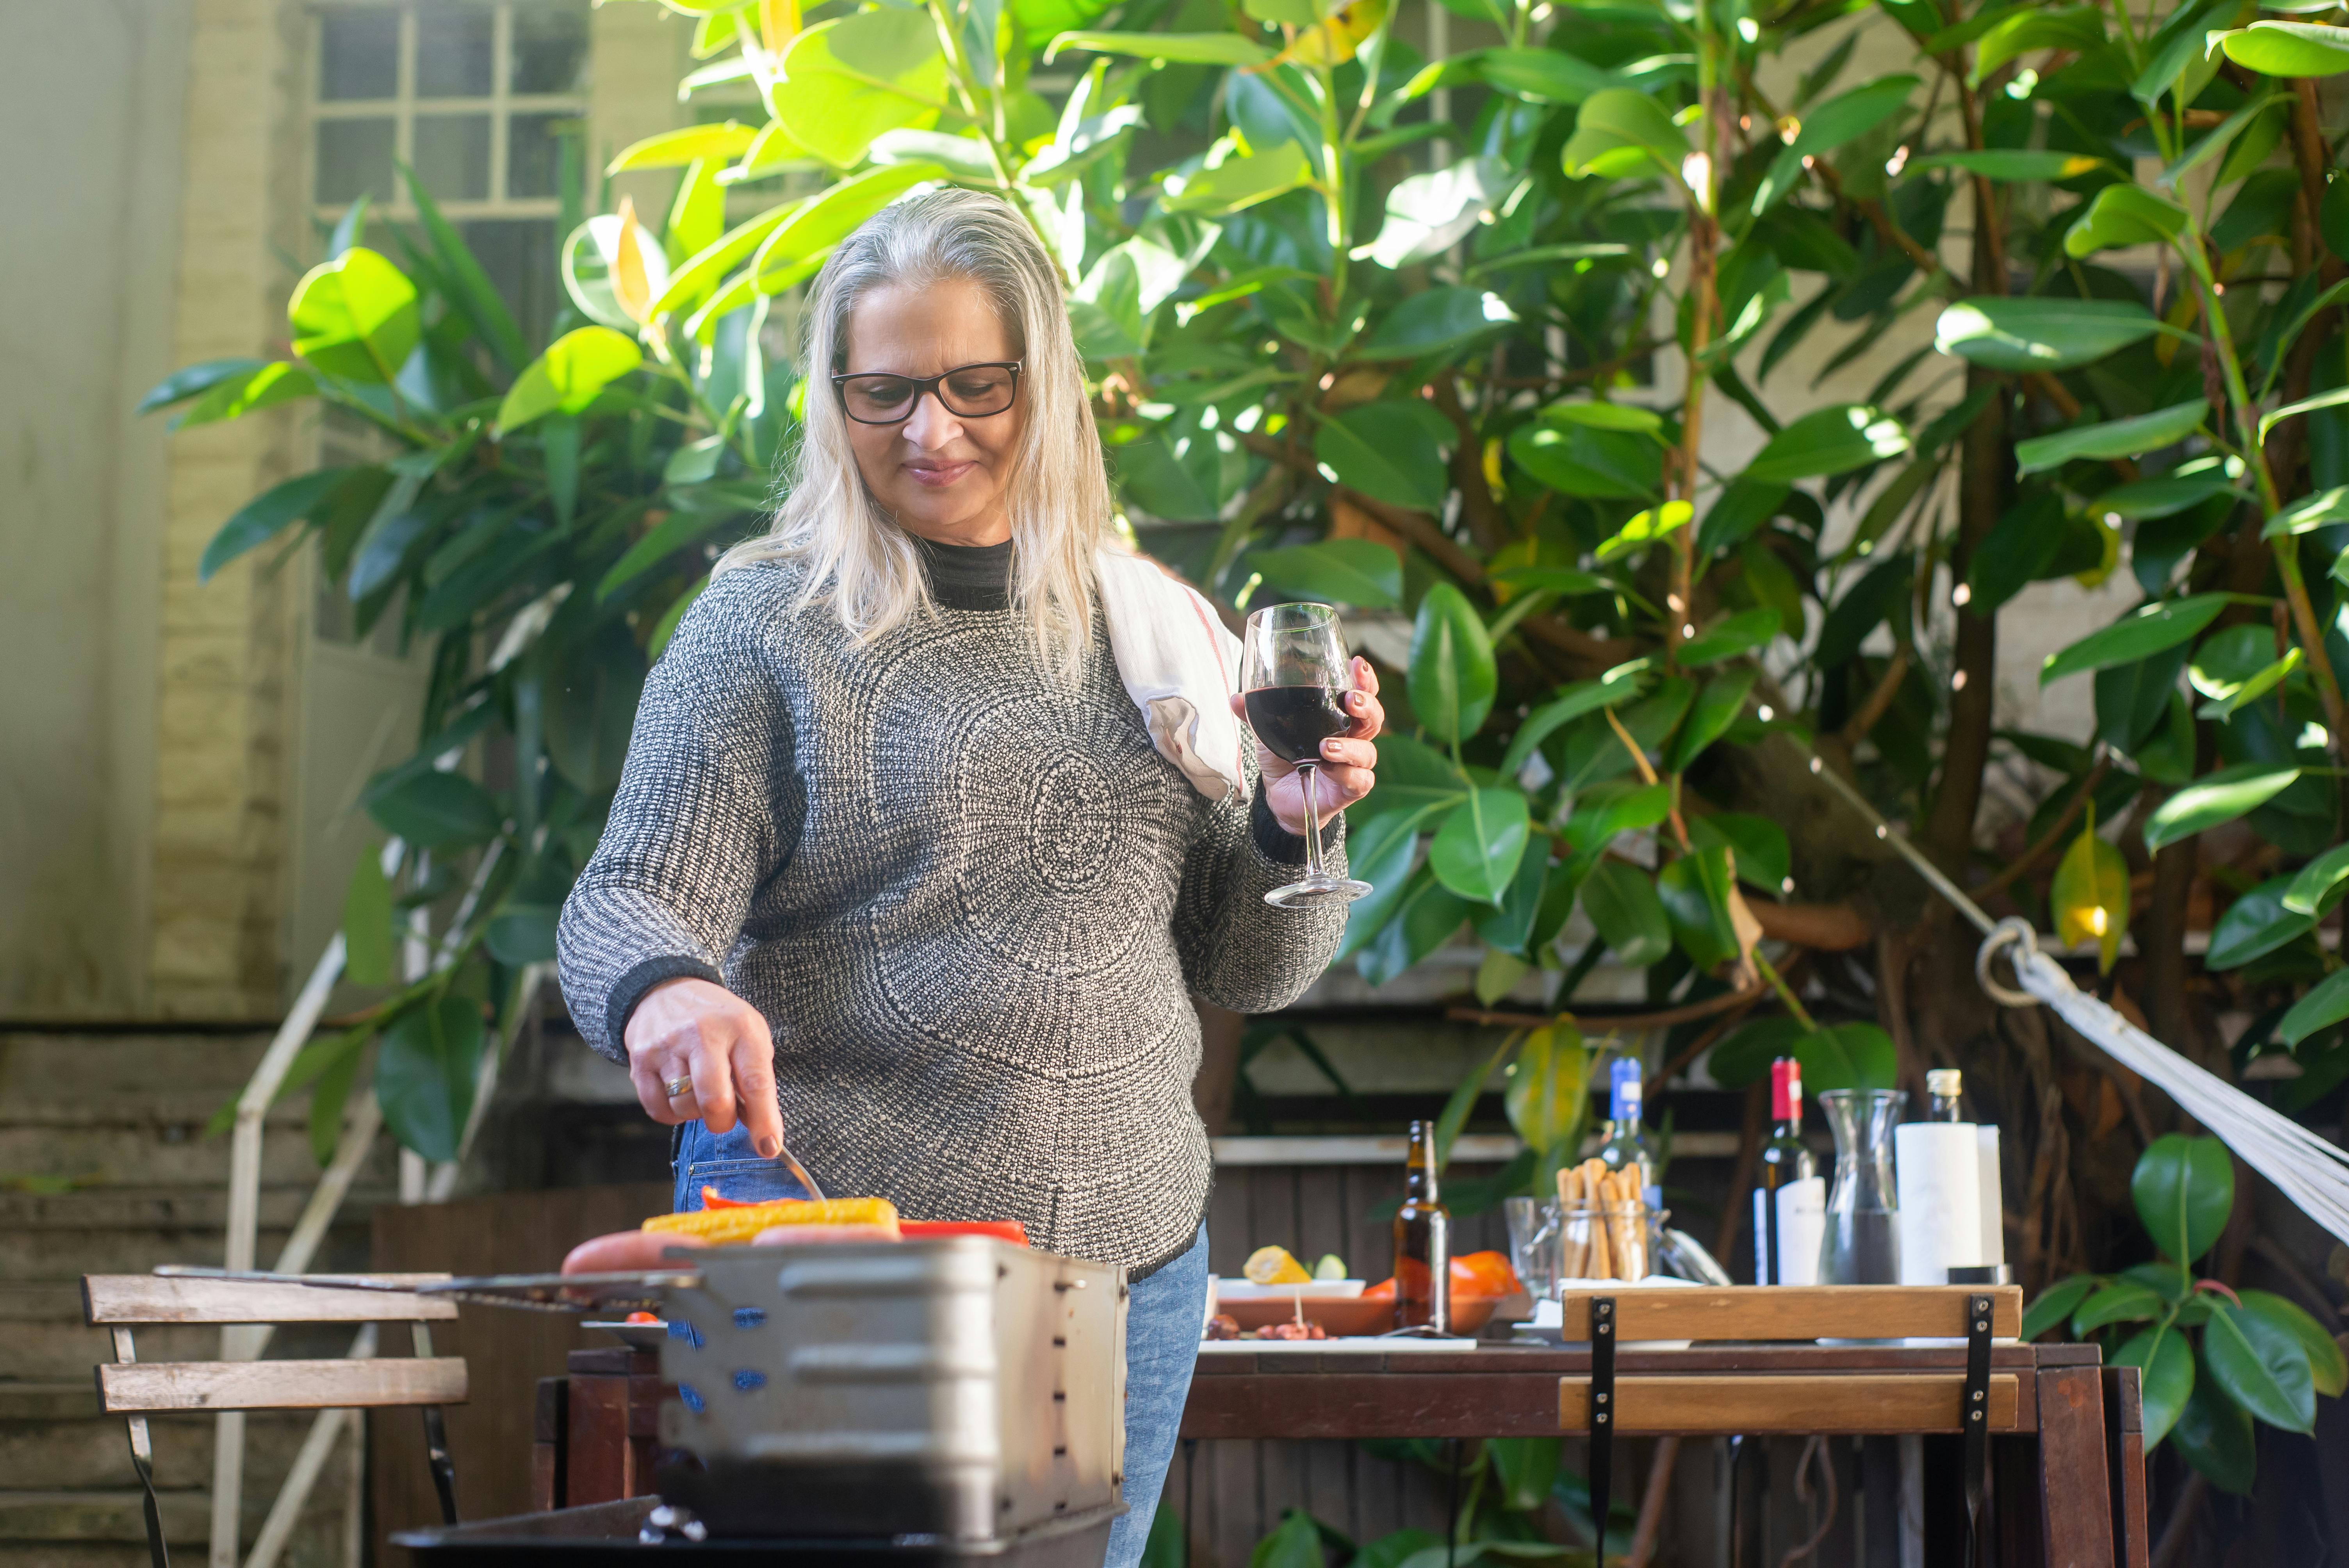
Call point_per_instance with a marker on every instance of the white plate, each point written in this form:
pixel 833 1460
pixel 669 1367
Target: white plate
pixel 1316 1290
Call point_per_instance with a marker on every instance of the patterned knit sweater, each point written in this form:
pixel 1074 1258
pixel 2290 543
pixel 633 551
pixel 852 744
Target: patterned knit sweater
pixel 969 901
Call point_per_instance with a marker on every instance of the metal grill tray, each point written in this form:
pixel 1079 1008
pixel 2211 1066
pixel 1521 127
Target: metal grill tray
pixel 604 1534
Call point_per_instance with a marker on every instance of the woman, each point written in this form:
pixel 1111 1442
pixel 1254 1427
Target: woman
pixel 894 856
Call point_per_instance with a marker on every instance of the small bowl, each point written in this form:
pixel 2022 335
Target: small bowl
pixel 1312 1289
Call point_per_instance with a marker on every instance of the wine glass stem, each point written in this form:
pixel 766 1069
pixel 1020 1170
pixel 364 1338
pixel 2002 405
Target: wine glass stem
pixel 1312 823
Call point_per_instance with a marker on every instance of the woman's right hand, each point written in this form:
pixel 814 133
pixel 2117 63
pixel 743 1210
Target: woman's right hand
pixel 691 1028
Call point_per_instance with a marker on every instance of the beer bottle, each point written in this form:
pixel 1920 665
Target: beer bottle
pixel 1423 1240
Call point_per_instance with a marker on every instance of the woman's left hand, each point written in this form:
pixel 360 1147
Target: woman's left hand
pixel 1346 761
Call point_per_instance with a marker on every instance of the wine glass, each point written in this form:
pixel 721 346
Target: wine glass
pixel 1295 674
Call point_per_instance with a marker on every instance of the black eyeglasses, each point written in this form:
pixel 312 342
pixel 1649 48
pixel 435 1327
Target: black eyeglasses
pixel 973 391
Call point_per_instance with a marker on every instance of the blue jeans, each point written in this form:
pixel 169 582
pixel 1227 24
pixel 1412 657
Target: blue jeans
pixel 1162 1318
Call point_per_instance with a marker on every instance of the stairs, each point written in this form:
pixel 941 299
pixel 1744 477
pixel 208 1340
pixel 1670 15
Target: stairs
pixel 104 1168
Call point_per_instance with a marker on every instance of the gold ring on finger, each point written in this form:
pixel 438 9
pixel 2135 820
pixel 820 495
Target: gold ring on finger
pixel 677 1088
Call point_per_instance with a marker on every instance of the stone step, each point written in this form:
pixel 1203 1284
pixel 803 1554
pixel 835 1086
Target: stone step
pixel 39 1255
pixel 88 1209
pixel 155 1155
pixel 35 1066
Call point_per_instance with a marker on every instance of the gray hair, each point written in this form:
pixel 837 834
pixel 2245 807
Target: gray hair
pixel 857 557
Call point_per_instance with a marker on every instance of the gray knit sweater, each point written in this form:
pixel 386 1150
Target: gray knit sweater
pixel 970 901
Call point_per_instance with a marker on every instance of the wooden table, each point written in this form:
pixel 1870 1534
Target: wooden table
pixel 2067 1453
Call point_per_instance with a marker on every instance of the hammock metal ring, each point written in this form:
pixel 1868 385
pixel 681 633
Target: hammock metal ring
pixel 2014 931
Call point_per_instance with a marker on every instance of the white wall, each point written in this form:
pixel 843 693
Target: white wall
pixel 90 102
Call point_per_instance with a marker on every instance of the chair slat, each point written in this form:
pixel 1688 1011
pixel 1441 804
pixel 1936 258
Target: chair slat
pixel 1854 1403
pixel 1798 1312
pixel 155 1387
pixel 151 1298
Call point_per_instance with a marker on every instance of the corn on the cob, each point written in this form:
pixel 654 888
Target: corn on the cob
pixel 724 1227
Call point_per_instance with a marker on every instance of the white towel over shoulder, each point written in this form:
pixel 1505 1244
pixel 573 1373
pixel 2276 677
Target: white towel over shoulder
pixel 1180 667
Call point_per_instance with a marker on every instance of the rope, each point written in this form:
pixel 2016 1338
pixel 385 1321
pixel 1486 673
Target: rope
pixel 2313 1173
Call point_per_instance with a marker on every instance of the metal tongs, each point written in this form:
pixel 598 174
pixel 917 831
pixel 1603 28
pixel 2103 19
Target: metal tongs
pixel 579 1292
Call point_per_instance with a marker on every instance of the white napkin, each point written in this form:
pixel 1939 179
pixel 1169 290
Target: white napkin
pixel 1180 667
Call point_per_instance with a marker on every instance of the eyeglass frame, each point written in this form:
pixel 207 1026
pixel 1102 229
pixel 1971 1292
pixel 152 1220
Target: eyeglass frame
pixel 929 386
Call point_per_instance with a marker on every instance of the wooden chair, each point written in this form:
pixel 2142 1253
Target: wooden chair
pixel 137 1390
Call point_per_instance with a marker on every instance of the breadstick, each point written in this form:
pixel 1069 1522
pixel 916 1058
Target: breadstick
pixel 1602 1251
pixel 1572 1248
pixel 1627 1226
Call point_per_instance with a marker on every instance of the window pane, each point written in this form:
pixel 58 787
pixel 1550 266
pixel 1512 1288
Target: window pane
pixel 452 156
pixel 534 153
pixel 550 49
pixel 359 53
pixel 519 255
pixel 453 50
pixel 354 160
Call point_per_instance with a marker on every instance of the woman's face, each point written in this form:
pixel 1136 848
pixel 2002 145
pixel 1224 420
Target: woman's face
pixel 940 474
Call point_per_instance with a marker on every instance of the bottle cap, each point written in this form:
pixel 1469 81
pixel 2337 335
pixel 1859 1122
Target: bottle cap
pixel 1786 1089
pixel 1623 1080
pixel 1944 1082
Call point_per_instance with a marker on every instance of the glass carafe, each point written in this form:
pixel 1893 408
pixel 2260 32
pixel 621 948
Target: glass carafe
pixel 1862 1245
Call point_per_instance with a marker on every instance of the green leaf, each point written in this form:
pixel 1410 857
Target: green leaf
pixel 269 513
pixel 2246 680
pixel 845 81
pixel 182 384
pixel 432 809
pixel 1180 48
pixel 1744 1057
pixel 806 234
pixel 2165 497
pixel 1731 635
pixel 2037 333
pixel 1615 806
pixel 1412 775
pixel 1545 76
pixel 1717 707
pixel 1429 913
pixel 1527 1468
pixel 2055 1304
pixel 1764 857
pixel 1695 890
pixel 1426 215
pixel 1645 529
pixel 2289 49
pixel 566 378
pixel 2213 1434
pixel 354 317
pixel 1594 463
pixel 2261 1365
pixel 1238 183
pixel 2166 1364
pixel 367 923
pixel 1477 850
pixel 2255 923
pixel 2314 889
pixel 1847 1056
pixel 1387 451
pixel 2216 797
pixel 1618 684
pixel 1381 852
pixel 1547 1085
pixel 2327 1366
pixel 1452 675
pixel 2331 399
pixel 424 1074
pixel 676 149
pixel 2090 895
pixel 330 1092
pixel 2122 215
pixel 1435 320
pixel 270 385
pixel 476 298
pixel 1510 928
pixel 2020 165
pixel 1568 580
pixel 2309 513
pixel 2123 1301
pixel 524 934
pixel 1341 571
pixel 2184 1188
pixel 1840 119
pixel 1624 120
pixel 1828 441
pixel 2147 631
pixel 1598 414
pixel 2113 438
pixel 1630 918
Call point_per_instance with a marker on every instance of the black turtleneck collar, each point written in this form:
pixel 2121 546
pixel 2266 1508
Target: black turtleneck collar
pixel 967 576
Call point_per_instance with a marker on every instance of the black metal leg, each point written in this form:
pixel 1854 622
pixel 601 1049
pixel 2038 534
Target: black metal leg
pixel 436 1434
pixel 1603 1415
pixel 142 1460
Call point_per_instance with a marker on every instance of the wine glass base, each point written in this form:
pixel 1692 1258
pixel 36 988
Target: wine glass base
pixel 1312 892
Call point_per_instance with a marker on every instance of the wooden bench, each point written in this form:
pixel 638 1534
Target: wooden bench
pixel 136 1389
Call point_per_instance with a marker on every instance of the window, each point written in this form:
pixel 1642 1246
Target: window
pixel 476 96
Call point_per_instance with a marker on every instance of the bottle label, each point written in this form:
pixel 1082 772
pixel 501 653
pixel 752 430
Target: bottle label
pixel 1786 1089
pixel 1623 1080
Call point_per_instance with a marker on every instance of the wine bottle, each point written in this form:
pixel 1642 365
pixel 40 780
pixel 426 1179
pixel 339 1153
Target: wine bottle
pixel 1943 1086
pixel 1422 1240
pixel 1786 1158
pixel 1624 1146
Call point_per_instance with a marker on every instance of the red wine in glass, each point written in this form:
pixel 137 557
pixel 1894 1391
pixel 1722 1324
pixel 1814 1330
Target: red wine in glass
pixel 1296 675
pixel 1293 721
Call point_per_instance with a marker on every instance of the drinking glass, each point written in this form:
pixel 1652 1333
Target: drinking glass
pixel 1862 1245
pixel 1295 674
